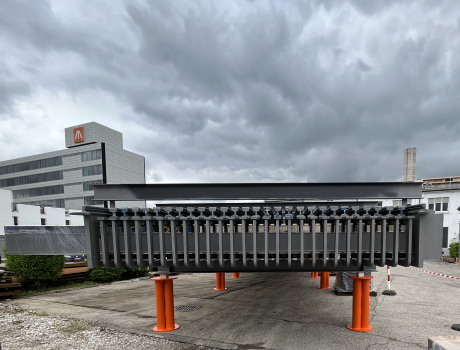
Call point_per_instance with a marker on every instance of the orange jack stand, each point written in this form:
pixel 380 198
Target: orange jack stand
pixel 361 293
pixel 165 304
pixel 220 281
pixel 236 275
pixel 314 275
pixel 324 282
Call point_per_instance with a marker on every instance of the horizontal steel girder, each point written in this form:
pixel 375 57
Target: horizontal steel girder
pixel 259 191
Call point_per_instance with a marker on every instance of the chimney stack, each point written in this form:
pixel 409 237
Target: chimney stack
pixel 410 164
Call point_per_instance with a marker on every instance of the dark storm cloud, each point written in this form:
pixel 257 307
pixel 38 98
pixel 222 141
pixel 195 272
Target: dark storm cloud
pixel 253 91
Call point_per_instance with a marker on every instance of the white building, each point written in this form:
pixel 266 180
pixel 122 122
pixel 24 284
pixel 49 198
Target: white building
pixel 64 178
pixel 13 214
pixel 441 194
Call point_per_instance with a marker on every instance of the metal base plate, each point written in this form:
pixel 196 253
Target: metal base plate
pixel 389 292
pixel 155 329
pixel 368 329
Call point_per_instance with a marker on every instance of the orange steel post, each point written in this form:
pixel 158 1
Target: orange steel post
pixel 164 294
pixel 236 275
pixel 314 275
pixel 361 291
pixel 324 282
pixel 220 281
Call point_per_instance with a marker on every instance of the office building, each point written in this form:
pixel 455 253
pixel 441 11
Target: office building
pixel 94 154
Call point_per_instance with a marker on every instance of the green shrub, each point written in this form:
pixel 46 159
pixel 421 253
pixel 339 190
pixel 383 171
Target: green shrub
pixel 106 274
pixel 453 250
pixel 36 271
pixel 135 272
pixel 111 274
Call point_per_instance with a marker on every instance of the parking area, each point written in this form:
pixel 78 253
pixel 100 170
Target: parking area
pixel 274 310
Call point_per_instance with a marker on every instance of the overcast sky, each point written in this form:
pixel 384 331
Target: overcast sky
pixel 239 91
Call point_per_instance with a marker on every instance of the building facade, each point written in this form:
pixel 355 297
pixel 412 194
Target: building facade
pixel 441 194
pixel 94 154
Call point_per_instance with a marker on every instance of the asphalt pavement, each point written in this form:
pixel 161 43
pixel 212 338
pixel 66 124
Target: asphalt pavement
pixel 274 310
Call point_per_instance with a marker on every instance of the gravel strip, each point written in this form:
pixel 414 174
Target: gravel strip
pixel 22 330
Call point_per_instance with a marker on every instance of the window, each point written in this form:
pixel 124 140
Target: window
pixel 92 170
pixel 15 221
pixel 55 203
pixel 438 204
pixel 43 222
pixel 35 164
pixel 445 237
pixel 88 185
pixel 89 201
pixel 38 191
pixel 91 155
pixel 67 222
pixel 30 179
pixel 398 203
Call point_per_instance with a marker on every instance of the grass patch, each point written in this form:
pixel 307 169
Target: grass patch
pixel 62 287
pixel 41 313
pixel 73 327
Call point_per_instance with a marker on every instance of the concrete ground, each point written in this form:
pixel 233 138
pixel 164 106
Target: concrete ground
pixel 274 310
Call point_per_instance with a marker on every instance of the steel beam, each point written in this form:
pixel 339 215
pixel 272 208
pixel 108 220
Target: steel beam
pixel 259 191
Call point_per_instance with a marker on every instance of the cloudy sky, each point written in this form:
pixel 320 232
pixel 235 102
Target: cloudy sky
pixel 239 91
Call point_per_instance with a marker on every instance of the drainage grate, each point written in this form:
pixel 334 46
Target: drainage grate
pixel 187 308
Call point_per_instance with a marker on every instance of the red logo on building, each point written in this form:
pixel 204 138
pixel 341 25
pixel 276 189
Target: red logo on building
pixel 78 135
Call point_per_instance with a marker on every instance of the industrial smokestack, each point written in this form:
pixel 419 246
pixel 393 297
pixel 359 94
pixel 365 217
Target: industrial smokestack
pixel 410 164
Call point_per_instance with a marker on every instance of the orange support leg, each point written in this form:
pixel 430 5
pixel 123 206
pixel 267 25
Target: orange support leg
pixel 314 275
pixel 220 281
pixel 324 282
pixel 164 295
pixel 236 275
pixel 361 291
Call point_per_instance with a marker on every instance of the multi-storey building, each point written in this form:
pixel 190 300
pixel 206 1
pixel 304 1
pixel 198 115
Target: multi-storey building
pixel 441 194
pixel 94 154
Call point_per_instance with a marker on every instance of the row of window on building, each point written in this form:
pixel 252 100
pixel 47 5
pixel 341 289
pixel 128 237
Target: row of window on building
pixel 436 204
pixel 44 177
pixel 60 203
pixel 46 163
pixel 50 190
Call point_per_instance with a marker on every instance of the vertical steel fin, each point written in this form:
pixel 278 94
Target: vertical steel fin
pixel 197 243
pixel 232 243
pixel 409 243
pixel 104 243
pixel 302 243
pixel 266 243
pixel 243 238
pixel 313 242
pixel 360 242
pixel 289 242
pixel 172 227
pixel 396 243
pixel 208 243
pixel 383 245
pixel 336 242
pixel 185 240
pixel 324 243
pixel 138 236
pixel 221 247
pixel 277 228
pixel 127 237
pixel 161 229
pixel 150 246
pixel 348 258
pixel 116 243
pixel 372 243
pixel 254 241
